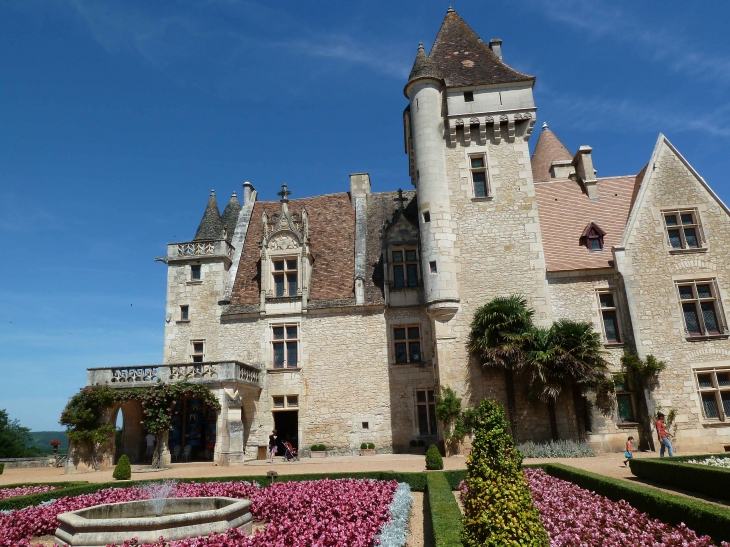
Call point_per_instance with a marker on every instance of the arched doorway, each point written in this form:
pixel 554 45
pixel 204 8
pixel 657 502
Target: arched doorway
pixel 129 438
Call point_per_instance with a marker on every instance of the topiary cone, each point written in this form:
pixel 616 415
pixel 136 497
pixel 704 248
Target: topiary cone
pixel 433 458
pixel 123 469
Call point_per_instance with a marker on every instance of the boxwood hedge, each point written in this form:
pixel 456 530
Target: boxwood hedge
pixel 704 518
pixel 445 513
pixel 704 479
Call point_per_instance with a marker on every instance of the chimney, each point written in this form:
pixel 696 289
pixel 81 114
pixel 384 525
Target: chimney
pixel 360 186
pixel 495 44
pixel 584 171
pixel 248 189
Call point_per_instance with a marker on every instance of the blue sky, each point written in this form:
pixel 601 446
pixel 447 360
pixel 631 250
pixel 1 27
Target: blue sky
pixel 118 117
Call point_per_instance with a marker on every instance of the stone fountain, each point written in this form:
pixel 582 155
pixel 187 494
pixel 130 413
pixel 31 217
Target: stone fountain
pixel 147 520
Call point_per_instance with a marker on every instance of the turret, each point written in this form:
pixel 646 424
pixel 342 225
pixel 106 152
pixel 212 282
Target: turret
pixel 424 90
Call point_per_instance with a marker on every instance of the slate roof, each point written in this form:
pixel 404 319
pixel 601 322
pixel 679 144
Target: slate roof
pixel 210 226
pixel 332 242
pixel 423 67
pixel 229 218
pixel 547 150
pixel 463 59
pixel 565 211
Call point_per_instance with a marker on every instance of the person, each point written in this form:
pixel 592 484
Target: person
pixel 629 450
pixel 150 438
pixel 663 437
pixel 273 443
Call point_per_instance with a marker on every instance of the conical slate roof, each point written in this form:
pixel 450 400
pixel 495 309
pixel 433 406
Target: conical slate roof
pixel 211 226
pixel 229 218
pixel 423 67
pixel 463 59
pixel 547 150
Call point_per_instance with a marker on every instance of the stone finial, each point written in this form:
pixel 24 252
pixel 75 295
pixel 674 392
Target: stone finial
pixel 284 194
pixel 400 199
pixel 544 126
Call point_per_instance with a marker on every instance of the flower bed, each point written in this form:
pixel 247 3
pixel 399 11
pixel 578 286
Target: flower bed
pixel 326 513
pixel 574 516
pixel 712 461
pixel 24 491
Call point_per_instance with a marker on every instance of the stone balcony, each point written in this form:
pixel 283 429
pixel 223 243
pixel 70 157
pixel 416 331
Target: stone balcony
pixel 205 248
pixel 211 372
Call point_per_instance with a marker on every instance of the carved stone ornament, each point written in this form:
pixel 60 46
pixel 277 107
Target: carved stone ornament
pixel 489 119
pixel 459 122
pixel 474 120
pixel 233 398
pixel 504 118
pixel 283 242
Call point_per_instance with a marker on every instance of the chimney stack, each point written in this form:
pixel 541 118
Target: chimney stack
pixel 360 186
pixel 585 172
pixel 248 189
pixel 495 44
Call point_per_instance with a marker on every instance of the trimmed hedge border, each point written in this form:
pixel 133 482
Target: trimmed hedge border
pixel 702 517
pixel 693 477
pixel 417 482
pixel 445 513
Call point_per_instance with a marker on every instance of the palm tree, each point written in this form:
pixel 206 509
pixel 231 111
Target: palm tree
pixel 544 378
pixel 497 337
pixel 579 361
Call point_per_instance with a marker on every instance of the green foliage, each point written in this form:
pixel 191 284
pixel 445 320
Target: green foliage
pixel 364 446
pixel 433 458
pixel 318 448
pixel 371 446
pixel 123 469
pixel 498 508
pixel 15 440
pixel 457 424
pixel 704 479
pixel 556 449
pixel 702 517
pixel 632 364
pixel 445 514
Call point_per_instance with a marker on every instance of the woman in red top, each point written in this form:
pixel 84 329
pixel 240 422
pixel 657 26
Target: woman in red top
pixel 663 438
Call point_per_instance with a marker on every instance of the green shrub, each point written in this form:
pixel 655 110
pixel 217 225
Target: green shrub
pixel 364 446
pixel 705 479
pixel 556 449
pixel 433 458
pixel 371 446
pixel 414 443
pixel 319 448
pixel 421 442
pixel 704 518
pixel 123 469
pixel 498 508
pixel 445 514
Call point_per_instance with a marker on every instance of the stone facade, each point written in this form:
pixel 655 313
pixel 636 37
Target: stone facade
pixel 346 313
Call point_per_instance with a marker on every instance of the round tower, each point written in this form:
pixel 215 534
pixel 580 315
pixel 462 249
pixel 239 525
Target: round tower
pixel 438 263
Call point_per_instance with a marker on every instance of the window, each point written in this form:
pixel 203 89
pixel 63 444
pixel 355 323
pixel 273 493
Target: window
pixel 292 400
pixel 286 401
pixel 432 266
pixel 426 216
pixel 407 344
pixel 184 314
pixel 478 166
pixel 405 268
pixel 468 96
pixel 624 399
pixel 195 272
pixel 285 277
pixel 366 425
pixel 592 237
pixel 285 339
pixel 609 314
pixel 197 352
pixel 426 412
pixel 683 229
pixel 701 308
pixel 279 402
pixel 714 389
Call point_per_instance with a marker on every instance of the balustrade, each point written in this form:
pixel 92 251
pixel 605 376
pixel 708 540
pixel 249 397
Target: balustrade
pixel 186 372
pixel 133 374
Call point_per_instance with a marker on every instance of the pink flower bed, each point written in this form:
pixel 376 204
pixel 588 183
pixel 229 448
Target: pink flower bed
pixel 322 513
pixel 574 516
pixel 24 491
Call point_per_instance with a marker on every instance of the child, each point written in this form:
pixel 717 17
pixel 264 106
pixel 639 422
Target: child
pixel 629 451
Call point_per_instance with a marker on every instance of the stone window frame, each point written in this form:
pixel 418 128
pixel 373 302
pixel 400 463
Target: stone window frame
pixel 716 298
pixel 272 355
pixel 466 172
pixel 702 245
pixel 616 309
pixel 484 169
pixel 191 273
pixel 184 313
pixel 286 258
pixel 197 356
pixel 285 402
pixel 719 392
pixel 625 390
pixel 405 263
pixel 406 322
pixel 430 405
pixel 407 341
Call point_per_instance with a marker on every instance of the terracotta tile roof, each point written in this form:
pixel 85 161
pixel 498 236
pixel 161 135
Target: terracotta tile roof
pixel 463 59
pixel 547 150
pixel 565 211
pixel 332 242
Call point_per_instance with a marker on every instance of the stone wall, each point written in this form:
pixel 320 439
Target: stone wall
pixel 650 269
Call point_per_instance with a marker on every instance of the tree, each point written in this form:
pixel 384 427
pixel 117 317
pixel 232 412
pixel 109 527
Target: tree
pixel 15 440
pixel 544 379
pixel 579 362
pixel 498 333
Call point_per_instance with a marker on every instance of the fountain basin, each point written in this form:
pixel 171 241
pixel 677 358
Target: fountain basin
pixel 181 517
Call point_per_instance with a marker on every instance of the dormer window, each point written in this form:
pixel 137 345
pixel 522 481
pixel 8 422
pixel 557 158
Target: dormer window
pixel 405 267
pixel 285 277
pixel 592 237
